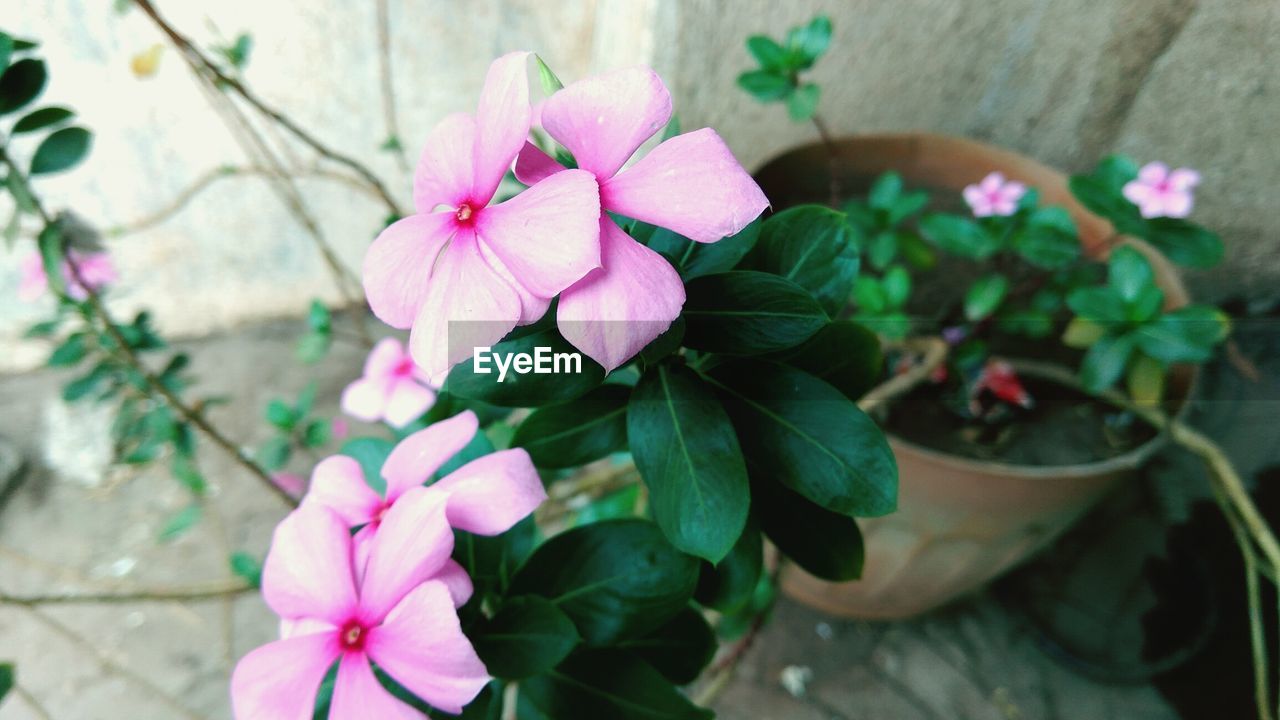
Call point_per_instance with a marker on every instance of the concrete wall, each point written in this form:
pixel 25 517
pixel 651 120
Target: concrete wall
pixel 1191 82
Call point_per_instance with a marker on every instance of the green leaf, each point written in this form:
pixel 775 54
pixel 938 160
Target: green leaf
pixel 62 150
pixel 42 118
pixel 984 296
pixel 905 205
pixel 803 103
pixel 1185 243
pixel 680 650
pixel 896 284
pixel 180 523
pixel 1128 272
pixel 1031 323
pixel 765 86
pixel 844 353
pixel 491 562
pixel 808 436
pixel 1145 380
pixel 550 83
pixel 1102 191
pixel 527 636
pixel 811 40
pixel 959 236
pixel 70 352
pixel 616 579
pixel 1188 334
pixel 246 567
pixel 21 83
pixel 882 249
pixel 532 389
pixel 814 247
pixel 313 346
pixel 316 434
pixel 50 242
pixel 1048 239
pixel 826 544
pixel 6 679
pixel 695 259
pixel 274 453
pixel 730 585
pixel 43 329
pixel 281 415
pixel 767 52
pixel 85 384
pixel 869 295
pixel 745 313
pixel 1102 305
pixel 1105 361
pixel 577 432
pixel 612 684
pixel 688 455
pixel 185 472
pixel 371 453
pixel 885 191
pixel 319 317
pixel 6 53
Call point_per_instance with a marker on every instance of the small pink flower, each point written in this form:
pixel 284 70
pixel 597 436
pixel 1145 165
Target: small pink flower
pixel 463 273
pixel 994 196
pixel 289 482
pixel 396 613
pixel 486 496
pixel 392 388
pixel 1160 193
pixel 339 428
pixel 690 184
pixel 97 269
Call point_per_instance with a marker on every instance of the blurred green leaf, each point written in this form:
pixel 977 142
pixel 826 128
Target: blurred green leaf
pixel 21 83
pixel 62 150
pixel 42 118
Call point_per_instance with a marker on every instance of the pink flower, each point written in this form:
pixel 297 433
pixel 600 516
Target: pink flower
pixel 396 614
pixel 465 275
pixel 340 429
pixel 994 196
pixel 1160 193
pixel 690 184
pixel 289 482
pixel 485 496
pixel 97 269
pixel 392 387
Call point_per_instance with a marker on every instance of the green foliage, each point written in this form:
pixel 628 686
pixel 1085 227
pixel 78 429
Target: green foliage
pixel 614 684
pixel 315 344
pixel 729 585
pixel 62 150
pixel 780 64
pixel 6 679
pixel 246 567
pixel 527 636
pixel 825 543
pixel 749 313
pixel 695 259
pixel 812 246
pixel 984 296
pixel 881 302
pixel 577 432
pixel 531 389
pixel 680 650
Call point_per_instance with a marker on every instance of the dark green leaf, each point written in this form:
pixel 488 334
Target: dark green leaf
pixel 316 434
pixel 246 567
pixel 764 85
pixel 882 249
pixel 576 432
pixel 6 52
pixel 87 383
pixel 185 472
pixel 616 579
pixel 319 318
pixel 896 285
pixel 42 118
pixel 885 191
pixel 844 354
pixel 6 679
pixel 824 543
pixel 70 352
pixel 1105 361
pixel 959 236
pixel 528 635
pixel 1185 243
pixel 608 684
pixel 1048 239
pixel 767 52
pixel 695 259
pixel 680 650
pixel 1129 273
pixel 808 436
pixel 491 562
pixel 984 296
pixel 814 247
pixel 745 313
pixel 1103 305
pixel 803 103
pixel 1185 335
pixel 1029 322
pixel 811 40
pixel 50 244
pixel 531 389
pixel 729 586
pixel 869 295
pixel 62 150
pixel 274 453
pixel 180 523
pixel 43 329
pixel 688 455
pixel 906 205
pixel 281 415
pixel 21 83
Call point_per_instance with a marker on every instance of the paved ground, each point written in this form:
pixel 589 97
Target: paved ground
pixel 974 660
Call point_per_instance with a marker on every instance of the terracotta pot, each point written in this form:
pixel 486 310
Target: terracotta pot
pixel 960 522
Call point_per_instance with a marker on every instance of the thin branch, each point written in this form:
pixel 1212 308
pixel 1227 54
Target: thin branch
pixel 203 65
pixel 833 158
pixel 32 703
pixel 212 591
pixel 388 86
pixel 935 352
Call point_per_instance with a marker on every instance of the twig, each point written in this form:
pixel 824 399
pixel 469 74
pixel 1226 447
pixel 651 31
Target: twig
pixel 32 703
pixel 213 591
pixel 388 86
pixel 833 158
pixel 935 351
pixel 209 69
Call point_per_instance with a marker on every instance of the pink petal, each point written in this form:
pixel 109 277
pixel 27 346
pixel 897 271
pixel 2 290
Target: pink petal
pixel 1184 179
pixel 33 282
pixel 1153 173
pixel 455 577
pixel 304 626
pixel 532 307
pixel 338 483
pixel 444 175
pixel 1136 192
pixel 417 457
pixel 358 694
pixel 490 494
pixel 307 573
pixel 603 120
pixel 533 165
pixel 547 236
pixel 1013 192
pixel 991 183
pixel 409 401
pixel 1177 204
pixel 1152 207
pixel 398 265
pixel 615 311
pixel 421 645
pixel 502 123
pixel 412 544
pixel 690 184
pixel 366 399
pixel 975 197
pixel 280 680
pixel 466 306
pixel 384 358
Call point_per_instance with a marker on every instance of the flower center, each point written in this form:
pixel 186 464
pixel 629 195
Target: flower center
pixel 464 213
pixel 404 369
pixel 352 637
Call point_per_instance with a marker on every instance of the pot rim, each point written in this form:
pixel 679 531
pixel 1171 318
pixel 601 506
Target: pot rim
pixel 1052 184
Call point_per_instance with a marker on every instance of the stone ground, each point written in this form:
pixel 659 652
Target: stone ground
pixel 75 525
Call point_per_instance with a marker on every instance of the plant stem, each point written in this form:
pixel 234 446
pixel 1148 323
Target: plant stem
pixel 388 87
pixel 180 594
pixel 202 64
pixel 935 352
pixel 833 158
pixel 32 703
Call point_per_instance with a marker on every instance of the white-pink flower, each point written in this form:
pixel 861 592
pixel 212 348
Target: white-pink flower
pixel 690 184
pixel 392 388
pixel 485 496
pixel 97 269
pixel 1159 192
pixel 395 613
pixel 463 273
pixel 994 196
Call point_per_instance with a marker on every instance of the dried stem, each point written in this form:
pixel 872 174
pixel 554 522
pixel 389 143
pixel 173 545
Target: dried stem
pixel 204 66
pixel 388 86
pixel 32 703
pixel 935 352
pixel 833 158
pixel 212 591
